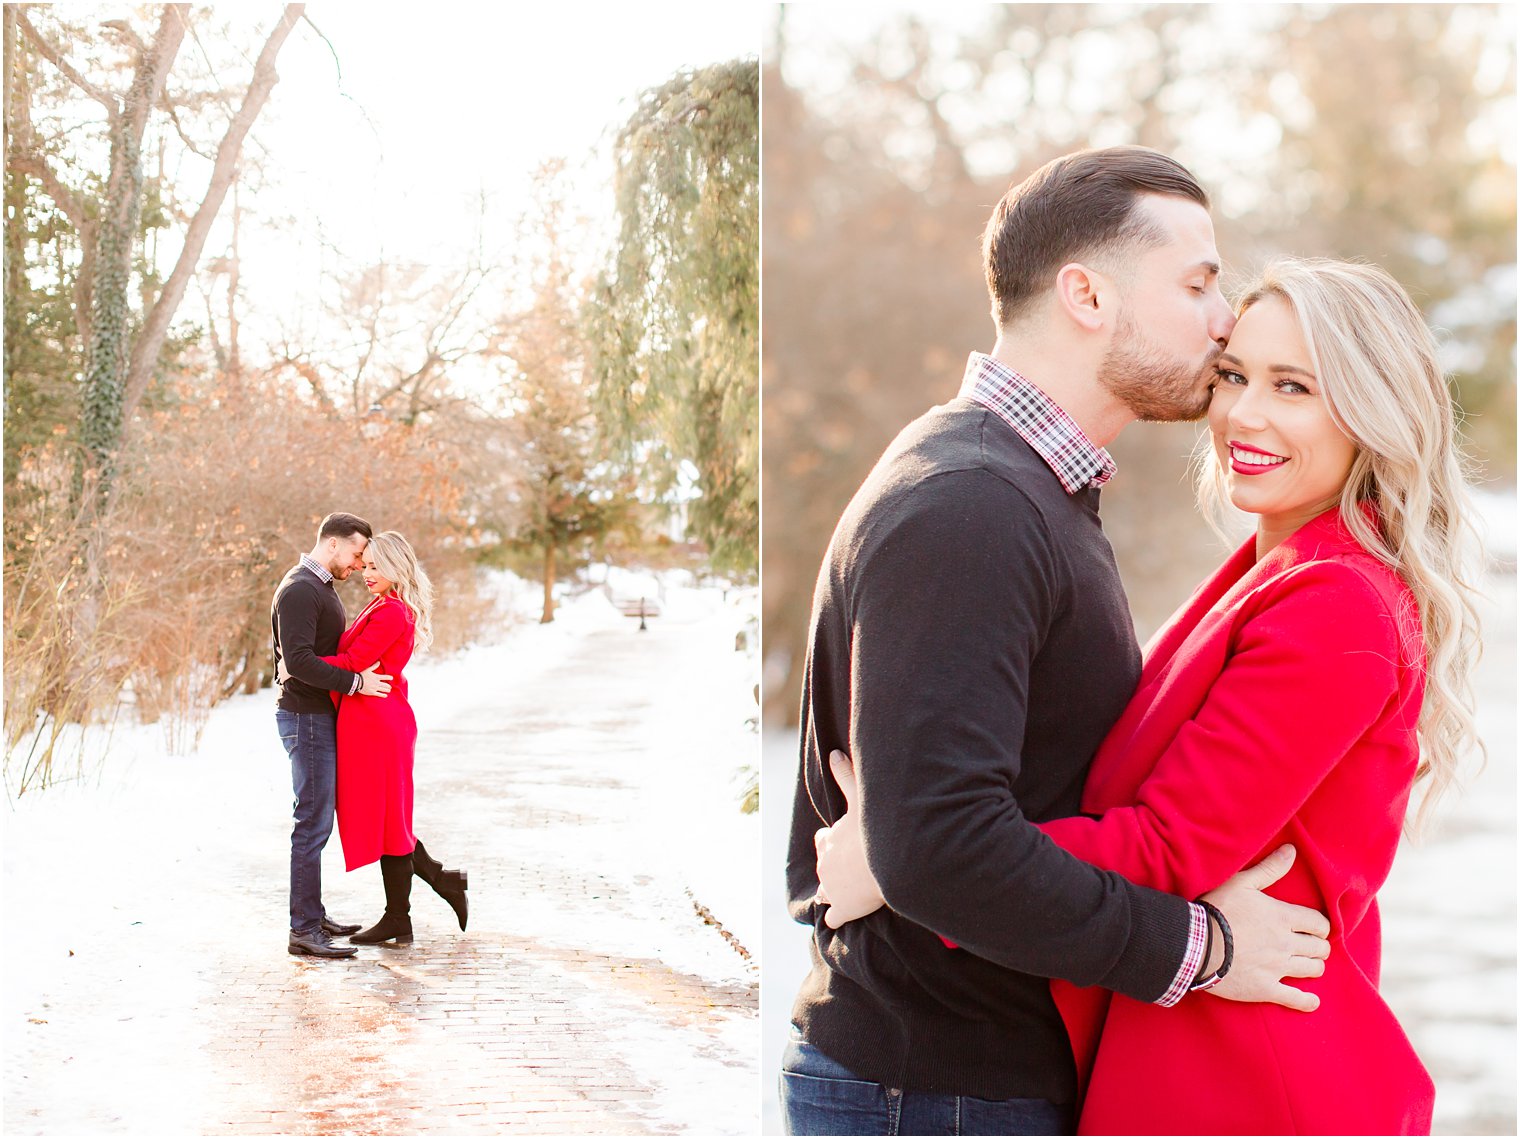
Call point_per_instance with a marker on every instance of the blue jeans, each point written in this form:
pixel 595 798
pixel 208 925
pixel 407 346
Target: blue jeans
pixel 822 1097
pixel 311 741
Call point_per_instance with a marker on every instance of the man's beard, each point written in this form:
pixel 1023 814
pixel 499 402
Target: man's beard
pixel 1156 388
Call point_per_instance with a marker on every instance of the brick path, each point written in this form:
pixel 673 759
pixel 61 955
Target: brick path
pixel 587 996
pixel 477 1035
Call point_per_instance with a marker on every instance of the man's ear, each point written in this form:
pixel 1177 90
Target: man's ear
pixel 1085 295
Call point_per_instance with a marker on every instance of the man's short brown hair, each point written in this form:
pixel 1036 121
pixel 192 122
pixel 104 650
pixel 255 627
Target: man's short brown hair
pixel 340 525
pixel 1068 209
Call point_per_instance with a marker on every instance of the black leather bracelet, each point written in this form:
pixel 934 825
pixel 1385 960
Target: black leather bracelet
pixel 1229 947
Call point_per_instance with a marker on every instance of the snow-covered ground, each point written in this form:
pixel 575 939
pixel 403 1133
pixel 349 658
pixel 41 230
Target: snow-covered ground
pixel 587 775
pixel 1448 911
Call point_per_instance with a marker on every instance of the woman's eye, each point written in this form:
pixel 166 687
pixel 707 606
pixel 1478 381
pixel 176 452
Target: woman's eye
pixel 1228 377
pixel 1292 387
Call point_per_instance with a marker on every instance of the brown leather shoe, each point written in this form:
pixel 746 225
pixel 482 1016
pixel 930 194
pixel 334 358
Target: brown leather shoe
pixel 315 943
pixel 337 929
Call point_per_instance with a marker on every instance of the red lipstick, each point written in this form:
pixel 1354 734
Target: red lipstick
pixel 1244 468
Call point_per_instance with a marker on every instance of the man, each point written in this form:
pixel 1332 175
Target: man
pixel 307 618
pixel 970 645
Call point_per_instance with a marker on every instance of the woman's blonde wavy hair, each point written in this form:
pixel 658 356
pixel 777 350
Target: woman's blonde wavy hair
pixel 1379 373
pixel 395 559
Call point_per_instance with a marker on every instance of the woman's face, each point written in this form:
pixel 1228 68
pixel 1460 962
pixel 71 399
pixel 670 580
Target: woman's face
pixel 1283 456
pixel 374 581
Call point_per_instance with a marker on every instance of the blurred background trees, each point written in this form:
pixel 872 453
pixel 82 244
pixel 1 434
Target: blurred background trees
pixel 677 316
pixel 1381 132
pixel 448 397
pixel 570 494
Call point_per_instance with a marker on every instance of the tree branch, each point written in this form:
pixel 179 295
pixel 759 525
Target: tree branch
pixel 179 129
pixel 156 322
pixel 321 35
pixel 24 157
pixel 130 121
pixel 166 41
pixel 338 67
pixel 63 197
pixel 301 365
pixel 126 31
pixel 53 56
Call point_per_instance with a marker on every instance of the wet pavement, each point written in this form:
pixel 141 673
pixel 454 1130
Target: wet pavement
pixel 465 1037
pixel 153 992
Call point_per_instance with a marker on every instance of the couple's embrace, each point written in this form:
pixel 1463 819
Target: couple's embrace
pixel 349 730
pixel 1040 901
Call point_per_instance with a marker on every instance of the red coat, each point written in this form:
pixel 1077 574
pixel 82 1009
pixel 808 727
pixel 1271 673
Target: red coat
pixel 376 738
pixel 1278 705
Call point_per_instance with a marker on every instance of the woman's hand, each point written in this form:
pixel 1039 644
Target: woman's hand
pixel 282 674
pixel 845 883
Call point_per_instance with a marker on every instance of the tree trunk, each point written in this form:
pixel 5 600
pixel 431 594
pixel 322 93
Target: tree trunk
pixel 156 323
pixel 23 157
pixel 106 353
pixel 548 615
pixel 15 249
pixel 234 360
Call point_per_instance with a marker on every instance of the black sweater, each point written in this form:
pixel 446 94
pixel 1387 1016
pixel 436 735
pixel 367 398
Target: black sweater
pixel 307 618
pixel 970 645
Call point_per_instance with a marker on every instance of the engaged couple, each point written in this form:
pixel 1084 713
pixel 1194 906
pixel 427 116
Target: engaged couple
pixel 1057 886
pixel 350 733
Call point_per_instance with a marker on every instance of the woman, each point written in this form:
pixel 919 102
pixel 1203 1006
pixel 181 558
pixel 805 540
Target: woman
pixel 376 738
pixel 1288 701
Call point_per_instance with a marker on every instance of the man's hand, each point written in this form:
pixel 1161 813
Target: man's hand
pixel 845 882
pixel 1273 939
pixel 373 682
pixel 281 673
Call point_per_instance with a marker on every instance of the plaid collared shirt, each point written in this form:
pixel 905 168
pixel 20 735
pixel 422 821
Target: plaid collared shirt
pixel 1077 464
pixel 1052 433
pixel 317 568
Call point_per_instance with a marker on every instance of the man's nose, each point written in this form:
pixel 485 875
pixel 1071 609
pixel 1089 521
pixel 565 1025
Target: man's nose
pixel 1223 322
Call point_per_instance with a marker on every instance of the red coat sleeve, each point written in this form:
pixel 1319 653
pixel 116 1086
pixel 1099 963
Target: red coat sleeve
pixel 1311 671
pixel 386 625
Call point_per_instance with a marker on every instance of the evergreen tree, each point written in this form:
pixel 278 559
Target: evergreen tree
pixel 674 324
pixel 569 494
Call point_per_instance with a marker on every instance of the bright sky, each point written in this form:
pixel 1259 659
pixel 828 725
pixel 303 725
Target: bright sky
pixel 438 105
pixel 469 96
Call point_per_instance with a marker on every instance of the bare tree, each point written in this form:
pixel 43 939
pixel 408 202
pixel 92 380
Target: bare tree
pixel 118 365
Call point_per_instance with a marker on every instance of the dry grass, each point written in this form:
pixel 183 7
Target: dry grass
pixel 166 595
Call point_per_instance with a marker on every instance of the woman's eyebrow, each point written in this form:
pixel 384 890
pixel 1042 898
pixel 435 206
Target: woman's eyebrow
pixel 1225 356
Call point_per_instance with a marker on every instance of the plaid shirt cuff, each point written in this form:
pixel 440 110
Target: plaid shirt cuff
pixel 358 682
pixel 1192 961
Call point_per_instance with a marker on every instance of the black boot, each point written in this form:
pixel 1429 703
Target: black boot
pixel 449 885
pixel 396 925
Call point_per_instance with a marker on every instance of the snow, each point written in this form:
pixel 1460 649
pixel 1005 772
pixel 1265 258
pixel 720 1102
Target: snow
pixel 1498 523
pixel 112 876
